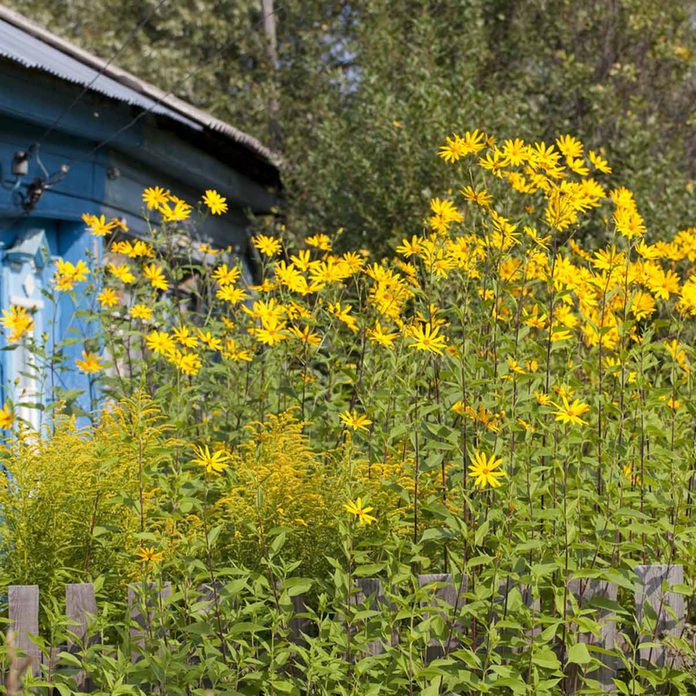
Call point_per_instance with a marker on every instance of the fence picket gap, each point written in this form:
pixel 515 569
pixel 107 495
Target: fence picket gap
pixel 23 609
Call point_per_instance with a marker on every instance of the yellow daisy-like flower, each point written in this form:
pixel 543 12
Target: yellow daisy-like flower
pixel 268 246
pixel 484 470
pixel 160 342
pixel 6 417
pixel 225 275
pixel 381 337
pixel 228 293
pixel 122 272
pixel 184 336
pixel 141 311
pixel 352 419
pixel 107 298
pixel 319 241
pixel 570 413
pixel 149 555
pixel 155 275
pixel 67 274
pixel 427 338
pixel 356 508
pixel 216 203
pixel 155 197
pixel 18 320
pixel 214 463
pixel 90 363
pixel 98 226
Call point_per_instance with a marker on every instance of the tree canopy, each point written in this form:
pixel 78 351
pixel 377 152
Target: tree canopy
pixel 363 91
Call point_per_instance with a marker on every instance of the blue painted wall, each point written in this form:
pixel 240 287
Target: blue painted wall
pixel 108 182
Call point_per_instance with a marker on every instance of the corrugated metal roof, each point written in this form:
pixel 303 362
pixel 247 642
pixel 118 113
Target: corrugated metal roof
pixel 29 45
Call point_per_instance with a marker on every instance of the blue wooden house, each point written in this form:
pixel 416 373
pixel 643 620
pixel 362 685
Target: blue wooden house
pixel 80 136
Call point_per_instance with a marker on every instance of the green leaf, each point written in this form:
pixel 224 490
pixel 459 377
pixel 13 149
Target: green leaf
pixel 578 654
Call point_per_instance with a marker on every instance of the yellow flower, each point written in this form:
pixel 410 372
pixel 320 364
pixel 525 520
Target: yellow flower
pixel 356 508
pixel 570 413
pixel 601 165
pixel 352 419
pixel 180 211
pixel 482 197
pixel 226 276
pixel 149 555
pixel 98 226
pixel 90 363
pixel 543 399
pixel 268 246
pixel 19 320
pixel 67 274
pixel 122 272
pixel 160 342
pixel 380 336
pixel 343 313
pixel 107 298
pixel 407 248
pixel 444 214
pixel 427 338
pixel 306 335
pixel 454 148
pixel 228 293
pixel 141 311
pixel 155 197
pixel 154 274
pixel 320 241
pixel 6 417
pixel 188 363
pixel 184 337
pixel 214 462
pixel 215 202
pixel 483 470
pixel 209 340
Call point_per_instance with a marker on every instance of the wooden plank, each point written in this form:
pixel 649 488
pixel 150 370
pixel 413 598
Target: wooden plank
pixel 141 621
pixel 80 609
pixel 370 589
pixel 585 591
pixel 450 598
pixel 298 624
pixel 654 582
pixel 500 610
pixel 23 606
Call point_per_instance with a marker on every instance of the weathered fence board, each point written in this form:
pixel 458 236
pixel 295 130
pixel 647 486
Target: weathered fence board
pixel 662 612
pixel 24 620
pixel 449 597
pixel 141 621
pixel 80 608
pixel 585 591
pixel 669 609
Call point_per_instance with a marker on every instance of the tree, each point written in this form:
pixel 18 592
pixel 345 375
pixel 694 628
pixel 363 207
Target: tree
pixel 365 91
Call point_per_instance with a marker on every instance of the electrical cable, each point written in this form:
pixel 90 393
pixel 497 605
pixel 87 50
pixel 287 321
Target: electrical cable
pixel 57 121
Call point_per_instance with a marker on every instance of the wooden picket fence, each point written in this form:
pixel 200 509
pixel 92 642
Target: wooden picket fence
pixel 654 589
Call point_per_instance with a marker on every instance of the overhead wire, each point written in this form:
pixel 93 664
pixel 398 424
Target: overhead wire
pixel 160 100
pixel 59 119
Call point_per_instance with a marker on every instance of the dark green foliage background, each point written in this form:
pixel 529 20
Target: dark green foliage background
pixel 367 89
